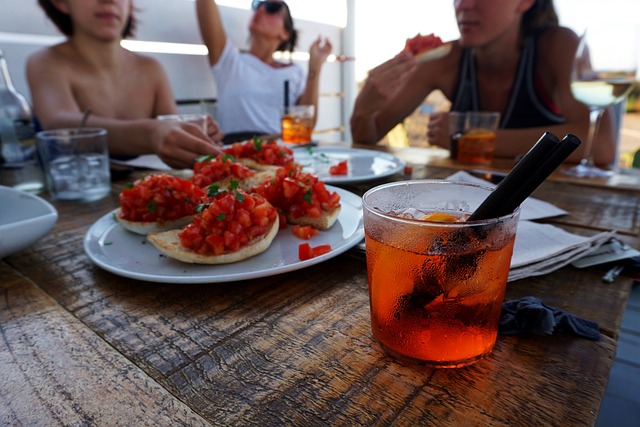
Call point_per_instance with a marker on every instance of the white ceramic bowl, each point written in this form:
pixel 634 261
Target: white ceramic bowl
pixel 24 219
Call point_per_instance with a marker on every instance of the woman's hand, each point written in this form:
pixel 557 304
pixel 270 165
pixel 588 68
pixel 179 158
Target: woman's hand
pixel 319 52
pixel 213 130
pixel 179 144
pixel 384 81
pixel 438 130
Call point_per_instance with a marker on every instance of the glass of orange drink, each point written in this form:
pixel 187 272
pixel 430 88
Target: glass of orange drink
pixel 473 136
pixel 297 124
pixel 436 281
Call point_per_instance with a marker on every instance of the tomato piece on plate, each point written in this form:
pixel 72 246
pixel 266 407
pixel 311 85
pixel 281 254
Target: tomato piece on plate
pixel 304 231
pixel 321 250
pixel 341 168
pixel 305 252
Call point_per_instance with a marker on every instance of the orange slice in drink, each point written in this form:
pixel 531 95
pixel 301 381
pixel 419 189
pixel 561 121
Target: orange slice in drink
pixel 439 217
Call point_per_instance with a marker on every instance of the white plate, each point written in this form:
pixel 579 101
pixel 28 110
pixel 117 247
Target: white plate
pixel 24 219
pixel 126 254
pixel 363 165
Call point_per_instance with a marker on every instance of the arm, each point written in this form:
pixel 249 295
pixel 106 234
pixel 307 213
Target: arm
pixel 55 106
pixel 556 51
pixel 389 94
pixel 211 28
pixel 317 56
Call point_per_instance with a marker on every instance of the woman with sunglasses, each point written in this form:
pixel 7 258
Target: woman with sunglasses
pixel 251 85
pixel 512 57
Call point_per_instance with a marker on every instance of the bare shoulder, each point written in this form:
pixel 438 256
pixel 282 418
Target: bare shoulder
pixel 557 39
pixel 53 63
pixel 148 65
pixel 556 46
pixel 49 57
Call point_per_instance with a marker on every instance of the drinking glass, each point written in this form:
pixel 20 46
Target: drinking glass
pixel 435 287
pixel 76 163
pixel 603 74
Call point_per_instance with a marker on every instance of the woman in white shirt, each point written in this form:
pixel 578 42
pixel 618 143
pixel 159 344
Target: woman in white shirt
pixel 251 84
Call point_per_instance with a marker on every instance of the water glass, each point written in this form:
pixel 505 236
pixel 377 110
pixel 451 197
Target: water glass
pixel 76 163
pixel 198 119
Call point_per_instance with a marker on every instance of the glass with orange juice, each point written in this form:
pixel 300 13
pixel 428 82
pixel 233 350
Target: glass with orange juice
pixel 297 124
pixel 436 281
pixel 473 136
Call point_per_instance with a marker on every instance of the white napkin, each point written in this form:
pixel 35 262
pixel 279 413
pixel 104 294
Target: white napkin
pixel 541 248
pixel 145 161
pixel 531 208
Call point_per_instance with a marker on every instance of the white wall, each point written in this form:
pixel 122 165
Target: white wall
pixel 24 28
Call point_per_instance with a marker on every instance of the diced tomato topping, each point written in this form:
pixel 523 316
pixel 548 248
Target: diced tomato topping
pixel 228 221
pixel 158 198
pixel 283 220
pixel 340 168
pixel 209 169
pixel 264 152
pixel 305 251
pixel 304 231
pixel 420 43
pixel 298 193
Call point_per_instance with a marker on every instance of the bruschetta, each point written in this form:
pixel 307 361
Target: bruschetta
pixel 223 169
pixel 301 198
pixel 259 154
pixel 230 227
pixel 158 202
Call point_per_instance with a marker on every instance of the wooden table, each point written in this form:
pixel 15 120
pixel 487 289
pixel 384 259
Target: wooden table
pixel 81 346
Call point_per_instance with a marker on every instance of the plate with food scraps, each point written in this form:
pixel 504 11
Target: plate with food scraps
pixel 362 165
pixel 126 254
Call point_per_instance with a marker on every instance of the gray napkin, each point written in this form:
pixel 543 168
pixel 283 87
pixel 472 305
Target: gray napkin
pixel 529 314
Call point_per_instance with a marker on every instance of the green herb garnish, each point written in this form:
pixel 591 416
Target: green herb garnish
pixel 205 158
pixel 213 190
pixel 307 196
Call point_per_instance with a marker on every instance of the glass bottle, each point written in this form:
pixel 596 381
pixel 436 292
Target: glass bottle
pixel 19 155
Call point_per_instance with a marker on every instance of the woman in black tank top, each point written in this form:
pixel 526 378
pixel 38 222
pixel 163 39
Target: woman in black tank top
pixel 512 57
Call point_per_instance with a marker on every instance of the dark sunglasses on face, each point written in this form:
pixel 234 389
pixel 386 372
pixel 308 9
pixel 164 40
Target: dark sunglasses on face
pixel 270 7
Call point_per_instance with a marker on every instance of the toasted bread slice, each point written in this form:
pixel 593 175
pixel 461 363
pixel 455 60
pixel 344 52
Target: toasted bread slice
pixel 324 222
pixel 253 164
pixel 433 53
pixel 169 244
pixel 144 228
pixel 258 178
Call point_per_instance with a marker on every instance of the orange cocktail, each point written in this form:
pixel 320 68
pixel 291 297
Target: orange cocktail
pixel 297 124
pixel 436 286
pixel 476 146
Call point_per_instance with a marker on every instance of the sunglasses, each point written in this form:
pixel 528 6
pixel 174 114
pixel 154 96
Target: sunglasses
pixel 271 7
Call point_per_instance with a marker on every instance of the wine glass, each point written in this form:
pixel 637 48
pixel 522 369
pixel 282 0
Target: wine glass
pixel 604 72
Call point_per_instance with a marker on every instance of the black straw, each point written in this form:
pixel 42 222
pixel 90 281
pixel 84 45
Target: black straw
pixel 286 96
pixel 539 162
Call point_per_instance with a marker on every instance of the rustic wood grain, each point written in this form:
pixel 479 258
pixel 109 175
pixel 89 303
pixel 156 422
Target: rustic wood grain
pixel 292 349
pixel 56 371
